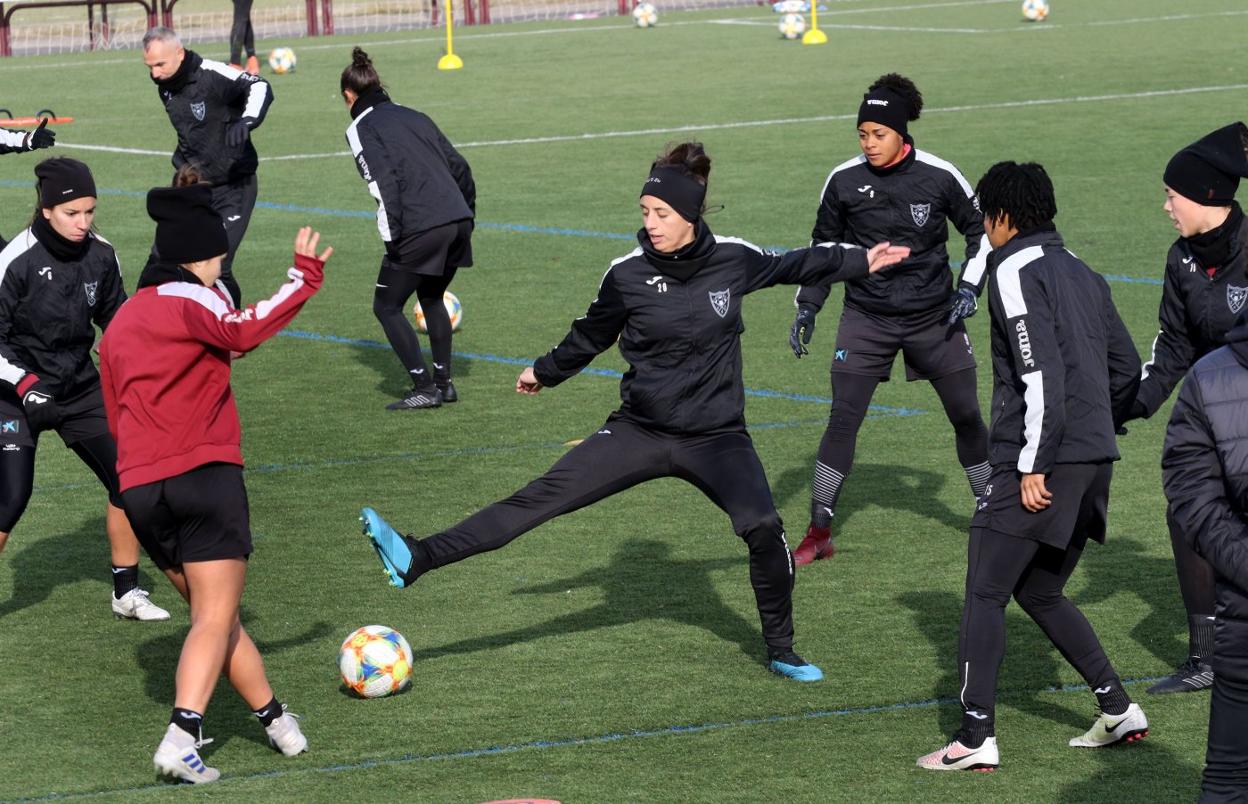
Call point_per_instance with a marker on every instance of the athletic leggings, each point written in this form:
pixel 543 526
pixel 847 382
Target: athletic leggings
pixel 17 475
pixel 723 466
pixel 394 288
pixel 851 396
pixel 242 36
pixel 1196 584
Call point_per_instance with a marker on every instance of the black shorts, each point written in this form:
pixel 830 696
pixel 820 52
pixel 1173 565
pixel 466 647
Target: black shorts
pixel 1077 513
pixel 432 251
pixel 200 515
pixel 867 343
pixel 82 417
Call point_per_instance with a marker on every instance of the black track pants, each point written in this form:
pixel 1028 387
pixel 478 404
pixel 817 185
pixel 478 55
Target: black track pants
pixel 234 202
pixel 620 455
pixel 242 36
pixel 1226 760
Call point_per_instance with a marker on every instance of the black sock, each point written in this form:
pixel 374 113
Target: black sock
pixel 1112 698
pixel 124 580
pixel 975 729
pixel 188 720
pixel 441 375
pixel 269 712
pixel 421 562
pixel 1200 636
pixel 421 380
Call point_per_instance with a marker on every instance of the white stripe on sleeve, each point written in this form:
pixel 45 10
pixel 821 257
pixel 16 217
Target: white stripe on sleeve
pixel 1009 284
pixel 1033 419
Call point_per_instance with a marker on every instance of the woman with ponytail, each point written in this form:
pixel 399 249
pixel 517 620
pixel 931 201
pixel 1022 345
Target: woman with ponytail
pixel 426 201
pixel 674 306
pixel 893 191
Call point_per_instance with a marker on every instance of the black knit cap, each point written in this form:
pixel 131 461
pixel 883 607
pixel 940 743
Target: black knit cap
pixel 886 107
pixel 1208 171
pixel 188 229
pixel 62 180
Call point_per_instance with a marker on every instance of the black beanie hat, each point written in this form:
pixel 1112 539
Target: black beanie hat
pixel 62 180
pixel 1208 171
pixel 188 229
pixel 886 107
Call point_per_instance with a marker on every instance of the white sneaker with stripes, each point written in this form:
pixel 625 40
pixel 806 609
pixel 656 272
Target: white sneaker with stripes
pixel 178 756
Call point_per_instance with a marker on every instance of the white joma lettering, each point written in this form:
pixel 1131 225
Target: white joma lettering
pixel 1024 343
pixel 874 102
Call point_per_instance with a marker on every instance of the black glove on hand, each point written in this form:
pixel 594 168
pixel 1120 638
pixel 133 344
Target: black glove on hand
pixel 803 328
pixel 41 137
pixel 962 304
pixel 236 133
pixel 40 407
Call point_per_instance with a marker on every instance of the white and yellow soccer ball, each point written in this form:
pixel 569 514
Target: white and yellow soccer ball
pixel 375 661
pixel 645 15
pixel 282 60
pixel 792 26
pixel 1035 10
pixel 453 308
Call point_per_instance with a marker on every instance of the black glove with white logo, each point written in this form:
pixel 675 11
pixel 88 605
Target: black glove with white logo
pixel 40 137
pixel 962 304
pixel 803 329
pixel 237 132
pixel 38 403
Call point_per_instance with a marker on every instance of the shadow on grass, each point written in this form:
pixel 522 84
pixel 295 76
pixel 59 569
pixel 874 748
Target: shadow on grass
pixel 1029 668
pixel 642 582
pixel 66 558
pixel 1146 771
pixel 392 380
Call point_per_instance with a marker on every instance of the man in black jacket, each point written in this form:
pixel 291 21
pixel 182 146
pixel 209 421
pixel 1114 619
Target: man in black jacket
pixel 1062 363
pixel 213 108
pixel 1205 474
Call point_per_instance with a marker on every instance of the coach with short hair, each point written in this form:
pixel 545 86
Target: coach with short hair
pixel 213 108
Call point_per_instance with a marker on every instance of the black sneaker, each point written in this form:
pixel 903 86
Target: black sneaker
pixel 418 398
pixel 1191 676
pixel 448 392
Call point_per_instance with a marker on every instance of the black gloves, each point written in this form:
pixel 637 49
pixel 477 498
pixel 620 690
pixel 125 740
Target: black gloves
pixel 962 304
pixel 803 328
pixel 40 137
pixel 236 133
pixel 40 406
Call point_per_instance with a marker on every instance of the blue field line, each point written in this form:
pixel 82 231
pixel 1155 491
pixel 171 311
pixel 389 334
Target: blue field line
pixel 676 730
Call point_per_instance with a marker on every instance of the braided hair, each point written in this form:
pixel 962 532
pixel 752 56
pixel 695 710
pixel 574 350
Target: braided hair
pixel 1023 193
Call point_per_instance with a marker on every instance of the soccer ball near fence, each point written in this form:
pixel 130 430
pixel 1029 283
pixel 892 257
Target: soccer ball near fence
pixel 792 26
pixel 1035 10
pixel 453 308
pixel 282 60
pixel 645 15
pixel 375 661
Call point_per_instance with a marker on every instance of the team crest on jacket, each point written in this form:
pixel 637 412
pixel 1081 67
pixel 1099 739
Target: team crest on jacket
pixel 719 301
pixel 198 110
pixel 90 287
pixel 920 213
pixel 1235 298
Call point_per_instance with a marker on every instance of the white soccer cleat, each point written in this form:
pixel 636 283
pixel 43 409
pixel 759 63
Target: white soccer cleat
pixel 285 734
pixel 957 756
pixel 1131 726
pixel 178 756
pixel 135 605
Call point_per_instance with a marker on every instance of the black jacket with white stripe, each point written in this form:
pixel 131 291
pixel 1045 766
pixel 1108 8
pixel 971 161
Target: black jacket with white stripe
pixel 202 100
pixel 1062 360
pixel 47 308
pixel 678 322
pixel 907 205
pixel 413 172
pixel 1204 468
pixel 12 141
pixel 1196 312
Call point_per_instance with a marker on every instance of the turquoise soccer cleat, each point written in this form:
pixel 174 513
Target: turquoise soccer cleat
pixel 390 545
pixel 790 665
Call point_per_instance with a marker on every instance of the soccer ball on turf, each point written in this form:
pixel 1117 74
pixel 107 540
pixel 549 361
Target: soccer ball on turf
pixel 792 26
pixel 453 308
pixel 1035 10
pixel 282 60
pixel 375 661
pixel 645 15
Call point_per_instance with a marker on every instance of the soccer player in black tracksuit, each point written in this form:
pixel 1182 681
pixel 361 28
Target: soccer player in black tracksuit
pixel 898 193
pixel 674 304
pixel 1205 471
pixel 1062 364
pixel 14 141
pixel 213 108
pixel 1205 287
pixel 58 281
pixel 426 200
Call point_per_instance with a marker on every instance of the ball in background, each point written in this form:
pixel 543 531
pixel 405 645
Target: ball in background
pixel 375 661
pixel 645 15
pixel 282 60
pixel 453 309
pixel 1035 10
pixel 792 26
